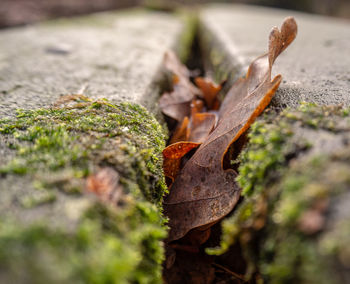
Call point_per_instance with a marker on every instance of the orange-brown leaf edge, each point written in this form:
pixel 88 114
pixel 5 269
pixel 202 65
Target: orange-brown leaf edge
pixel 210 91
pixel 172 157
pixel 182 132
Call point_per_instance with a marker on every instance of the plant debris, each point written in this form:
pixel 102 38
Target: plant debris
pixel 202 189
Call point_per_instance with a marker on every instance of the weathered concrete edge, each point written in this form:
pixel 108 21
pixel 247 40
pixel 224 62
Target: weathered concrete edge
pixel 104 72
pixel 151 226
pixel 47 203
pixel 314 68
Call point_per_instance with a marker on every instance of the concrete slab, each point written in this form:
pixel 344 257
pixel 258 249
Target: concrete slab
pixel 107 55
pixel 315 67
pixel 51 159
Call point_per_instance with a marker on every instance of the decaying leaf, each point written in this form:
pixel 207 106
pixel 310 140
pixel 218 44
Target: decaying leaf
pixel 202 124
pixel 105 184
pixel 210 91
pixel 172 157
pixel 182 132
pixel 177 104
pixel 196 128
pixel 203 192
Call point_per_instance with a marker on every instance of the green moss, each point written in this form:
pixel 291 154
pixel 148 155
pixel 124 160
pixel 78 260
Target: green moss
pixel 56 150
pixel 190 20
pixel 123 136
pixel 221 67
pixel 317 117
pixel 266 153
pixel 108 246
pixel 288 182
pixel 216 59
pixel 39 198
pixel 297 254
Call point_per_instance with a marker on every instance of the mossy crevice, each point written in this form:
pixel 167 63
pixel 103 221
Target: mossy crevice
pixel 293 172
pixel 51 153
pixel 190 20
pixel 216 58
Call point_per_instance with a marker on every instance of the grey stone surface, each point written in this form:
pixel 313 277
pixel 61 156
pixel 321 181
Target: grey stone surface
pixel 107 55
pixel 315 68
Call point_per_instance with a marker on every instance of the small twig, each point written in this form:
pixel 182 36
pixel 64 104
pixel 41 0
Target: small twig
pixel 234 274
pixel 69 98
pixel 82 89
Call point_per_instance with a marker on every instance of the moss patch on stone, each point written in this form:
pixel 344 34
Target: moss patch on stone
pixel 108 246
pixel 216 59
pixel 190 20
pixel 293 172
pixel 80 238
pixel 78 140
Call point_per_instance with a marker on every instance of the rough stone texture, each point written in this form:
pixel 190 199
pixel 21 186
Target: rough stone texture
pixel 315 67
pixel 80 194
pixel 109 55
pixel 81 183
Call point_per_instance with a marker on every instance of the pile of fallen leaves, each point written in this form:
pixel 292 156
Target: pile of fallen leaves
pixel 202 186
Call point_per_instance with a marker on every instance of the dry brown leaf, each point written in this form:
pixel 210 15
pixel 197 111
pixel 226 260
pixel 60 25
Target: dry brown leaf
pixel 203 192
pixel 196 106
pixel 172 157
pixel 189 135
pixel 182 132
pixel 71 101
pixel 180 72
pixel 201 125
pixel 210 92
pixel 177 104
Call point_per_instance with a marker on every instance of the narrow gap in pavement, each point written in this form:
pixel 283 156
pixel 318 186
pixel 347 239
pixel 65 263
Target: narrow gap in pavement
pixel 182 266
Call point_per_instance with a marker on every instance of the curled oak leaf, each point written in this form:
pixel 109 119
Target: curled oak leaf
pixel 210 92
pixel 180 72
pixel 173 64
pixel 203 192
pixel 182 132
pixel 105 184
pixel 172 157
pixel 177 104
pixel 260 69
pixel 196 128
pixel 183 142
pixel 202 124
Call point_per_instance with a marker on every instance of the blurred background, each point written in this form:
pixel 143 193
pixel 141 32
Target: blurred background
pixel 20 12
